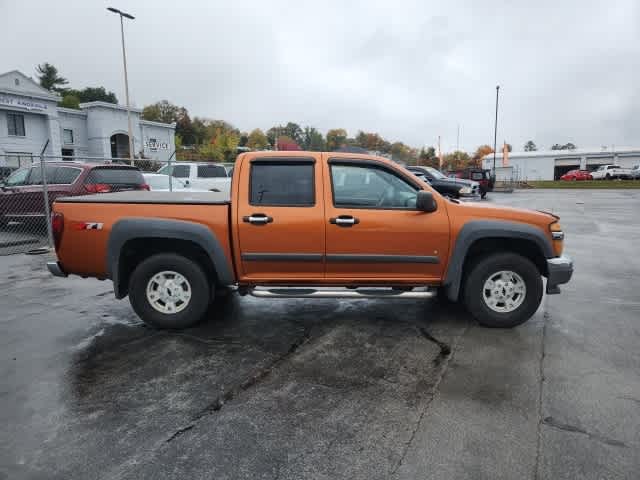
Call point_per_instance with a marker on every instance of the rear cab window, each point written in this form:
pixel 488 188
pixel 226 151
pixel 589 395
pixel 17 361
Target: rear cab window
pixel 285 183
pixel 115 176
pixel 211 171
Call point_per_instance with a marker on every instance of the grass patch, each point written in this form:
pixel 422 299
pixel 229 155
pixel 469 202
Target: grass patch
pixel 586 184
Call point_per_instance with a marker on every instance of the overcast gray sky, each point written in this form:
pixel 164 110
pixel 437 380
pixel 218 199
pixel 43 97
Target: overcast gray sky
pixel 410 70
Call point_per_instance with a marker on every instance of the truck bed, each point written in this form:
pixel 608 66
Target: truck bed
pixel 142 197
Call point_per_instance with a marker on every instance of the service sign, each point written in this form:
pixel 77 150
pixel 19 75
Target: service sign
pixel 24 103
pixel 154 145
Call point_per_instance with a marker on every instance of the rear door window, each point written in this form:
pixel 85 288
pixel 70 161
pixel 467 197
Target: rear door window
pixel 282 184
pixel 211 171
pixel 35 178
pixel 66 175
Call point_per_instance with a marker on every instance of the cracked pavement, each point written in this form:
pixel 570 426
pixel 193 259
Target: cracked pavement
pixel 332 389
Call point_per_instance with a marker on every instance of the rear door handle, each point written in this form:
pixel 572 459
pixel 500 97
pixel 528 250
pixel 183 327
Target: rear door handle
pixel 257 219
pixel 344 221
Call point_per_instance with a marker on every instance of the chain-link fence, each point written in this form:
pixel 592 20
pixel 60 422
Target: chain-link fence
pixel 30 184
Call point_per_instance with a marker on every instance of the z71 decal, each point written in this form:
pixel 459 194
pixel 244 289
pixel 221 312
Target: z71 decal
pixel 88 226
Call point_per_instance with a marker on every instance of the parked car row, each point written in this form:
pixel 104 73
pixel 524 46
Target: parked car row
pixel 451 187
pixel 604 172
pixel 21 190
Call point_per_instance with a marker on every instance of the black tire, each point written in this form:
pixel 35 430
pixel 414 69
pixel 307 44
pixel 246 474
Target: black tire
pixel 473 290
pixel 483 195
pixel 201 291
pixel 608 176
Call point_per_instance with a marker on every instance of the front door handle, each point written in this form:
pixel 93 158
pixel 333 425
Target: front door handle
pixel 257 219
pixel 344 221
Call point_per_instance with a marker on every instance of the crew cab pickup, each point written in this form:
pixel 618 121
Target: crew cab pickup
pixel 310 224
pixel 606 172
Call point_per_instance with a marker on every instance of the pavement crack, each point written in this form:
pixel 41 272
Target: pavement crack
pixel 543 353
pixel 257 377
pixel 179 432
pixel 445 348
pixel 565 427
pixel 442 360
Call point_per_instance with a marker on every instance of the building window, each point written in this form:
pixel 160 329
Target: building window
pixel 67 136
pixel 15 123
pixel 67 152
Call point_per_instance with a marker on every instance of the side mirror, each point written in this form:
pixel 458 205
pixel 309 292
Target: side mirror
pixel 425 202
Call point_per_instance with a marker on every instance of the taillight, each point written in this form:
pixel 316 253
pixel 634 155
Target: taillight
pixel 144 186
pixel 97 187
pixel 57 226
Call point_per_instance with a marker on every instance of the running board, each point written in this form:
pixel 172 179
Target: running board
pixel 341 293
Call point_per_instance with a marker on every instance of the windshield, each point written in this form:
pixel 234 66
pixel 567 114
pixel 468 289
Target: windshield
pixel 436 173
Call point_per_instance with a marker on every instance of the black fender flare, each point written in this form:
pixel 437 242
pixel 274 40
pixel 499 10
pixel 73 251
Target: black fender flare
pixel 479 229
pixel 131 228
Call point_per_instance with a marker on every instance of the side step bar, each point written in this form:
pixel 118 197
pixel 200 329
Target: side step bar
pixel 341 293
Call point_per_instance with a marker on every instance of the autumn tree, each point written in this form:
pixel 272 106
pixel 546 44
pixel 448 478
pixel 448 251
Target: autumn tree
pixel 49 78
pixel 223 147
pixel 481 152
pixel 530 146
pixel 456 161
pixel 336 137
pixel 257 140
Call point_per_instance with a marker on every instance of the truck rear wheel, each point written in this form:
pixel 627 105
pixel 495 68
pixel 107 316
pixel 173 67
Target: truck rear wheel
pixel 169 291
pixel 503 290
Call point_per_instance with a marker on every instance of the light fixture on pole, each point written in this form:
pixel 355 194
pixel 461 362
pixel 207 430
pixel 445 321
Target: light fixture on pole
pixel 126 79
pixel 495 133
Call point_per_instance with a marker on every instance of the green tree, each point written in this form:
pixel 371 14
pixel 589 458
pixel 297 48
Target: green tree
pixel 293 131
pixel 400 152
pixel 530 146
pixel 312 140
pixel 428 157
pixel 48 77
pixel 223 146
pixel 91 94
pixel 566 146
pixel 162 111
pixel 257 140
pixel 336 137
pixel 70 101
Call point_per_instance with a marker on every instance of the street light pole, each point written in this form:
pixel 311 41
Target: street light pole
pixel 495 133
pixel 126 79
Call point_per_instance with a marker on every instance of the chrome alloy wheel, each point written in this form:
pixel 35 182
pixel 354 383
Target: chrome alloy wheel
pixel 168 292
pixel 504 291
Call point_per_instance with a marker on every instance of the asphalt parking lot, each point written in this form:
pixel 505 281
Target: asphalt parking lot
pixel 332 389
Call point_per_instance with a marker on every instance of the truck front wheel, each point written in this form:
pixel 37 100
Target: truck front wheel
pixel 169 291
pixel 503 290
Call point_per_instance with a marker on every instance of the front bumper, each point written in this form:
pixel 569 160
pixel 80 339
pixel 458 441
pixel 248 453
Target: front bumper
pixel 56 269
pixel 470 198
pixel 560 270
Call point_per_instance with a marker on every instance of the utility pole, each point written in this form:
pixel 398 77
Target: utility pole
pixel 458 139
pixel 495 132
pixel 439 154
pixel 126 79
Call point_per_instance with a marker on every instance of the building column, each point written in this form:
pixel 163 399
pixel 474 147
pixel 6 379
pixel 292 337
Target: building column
pixel 583 163
pixel 55 142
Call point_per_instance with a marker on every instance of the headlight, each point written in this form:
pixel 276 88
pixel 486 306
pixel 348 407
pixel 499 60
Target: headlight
pixel 465 191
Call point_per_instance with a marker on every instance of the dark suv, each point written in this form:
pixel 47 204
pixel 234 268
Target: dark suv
pixel 21 194
pixel 483 177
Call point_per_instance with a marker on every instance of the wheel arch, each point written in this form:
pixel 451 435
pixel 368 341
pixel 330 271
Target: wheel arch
pixel 481 237
pixel 134 239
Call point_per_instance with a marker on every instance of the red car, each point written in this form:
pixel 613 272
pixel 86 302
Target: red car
pixel 574 175
pixel 21 194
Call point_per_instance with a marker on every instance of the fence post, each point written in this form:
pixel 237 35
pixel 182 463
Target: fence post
pixel 45 194
pixel 171 172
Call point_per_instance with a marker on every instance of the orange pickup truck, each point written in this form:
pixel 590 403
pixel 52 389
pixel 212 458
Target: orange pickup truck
pixel 310 224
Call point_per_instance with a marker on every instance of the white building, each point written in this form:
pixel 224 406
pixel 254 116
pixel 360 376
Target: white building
pixel 551 164
pixel 29 116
